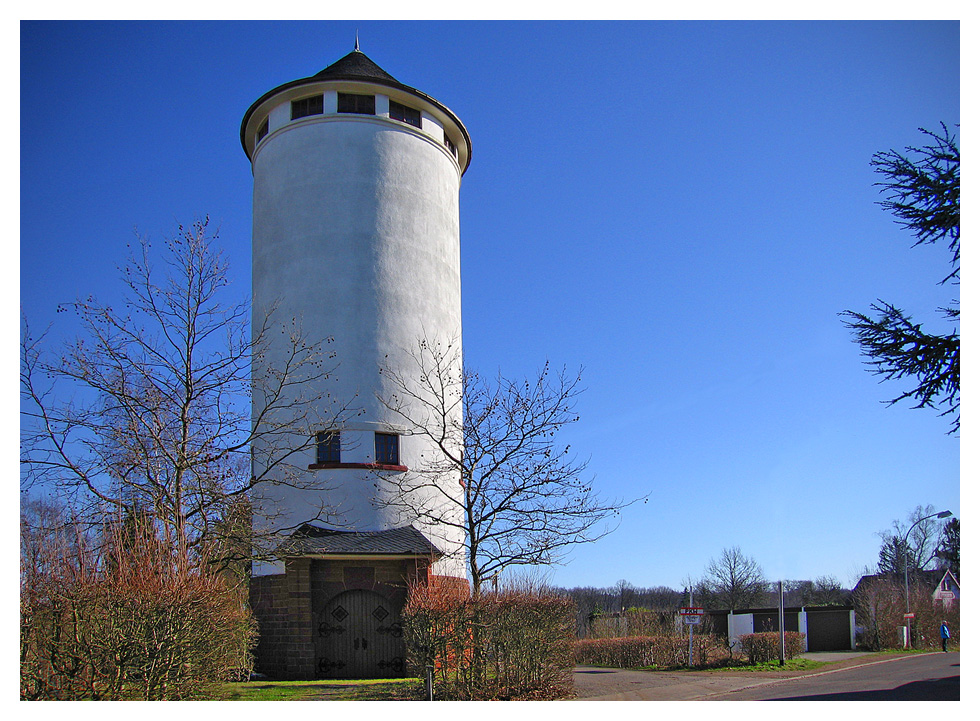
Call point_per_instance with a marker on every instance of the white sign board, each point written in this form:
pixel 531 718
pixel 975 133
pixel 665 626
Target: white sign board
pixel 692 620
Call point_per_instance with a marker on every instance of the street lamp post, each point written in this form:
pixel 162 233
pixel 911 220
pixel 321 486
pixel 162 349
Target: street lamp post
pixel 905 546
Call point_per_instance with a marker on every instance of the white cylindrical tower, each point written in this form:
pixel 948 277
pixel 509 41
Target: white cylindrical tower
pixel 356 238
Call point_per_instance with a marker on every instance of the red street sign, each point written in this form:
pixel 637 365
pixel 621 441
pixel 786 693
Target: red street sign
pixel 909 615
pixel 692 611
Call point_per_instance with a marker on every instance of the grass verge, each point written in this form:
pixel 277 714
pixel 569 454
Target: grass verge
pixel 793 664
pixel 368 690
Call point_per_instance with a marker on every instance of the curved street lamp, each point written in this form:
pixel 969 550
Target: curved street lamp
pixel 905 545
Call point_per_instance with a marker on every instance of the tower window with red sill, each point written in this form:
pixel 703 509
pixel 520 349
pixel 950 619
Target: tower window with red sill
pixel 328 447
pixel 386 449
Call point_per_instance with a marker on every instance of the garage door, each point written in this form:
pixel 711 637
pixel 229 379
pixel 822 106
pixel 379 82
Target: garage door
pixel 828 630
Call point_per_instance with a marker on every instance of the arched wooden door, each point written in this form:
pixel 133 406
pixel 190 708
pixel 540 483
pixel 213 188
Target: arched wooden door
pixel 359 635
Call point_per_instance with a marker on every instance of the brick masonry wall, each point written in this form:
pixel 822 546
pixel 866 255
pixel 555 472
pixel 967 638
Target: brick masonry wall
pixel 299 647
pixel 449 584
pixel 269 605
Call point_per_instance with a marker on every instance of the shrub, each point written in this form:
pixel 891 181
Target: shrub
pixel 928 615
pixel 762 647
pixel 631 651
pixel 123 618
pixel 511 644
pixel 666 651
pixel 880 610
pixel 633 622
pixel 879 606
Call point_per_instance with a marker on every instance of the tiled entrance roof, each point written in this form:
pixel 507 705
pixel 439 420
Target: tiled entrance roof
pixel 312 541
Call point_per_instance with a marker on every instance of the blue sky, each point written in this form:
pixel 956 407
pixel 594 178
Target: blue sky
pixel 683 208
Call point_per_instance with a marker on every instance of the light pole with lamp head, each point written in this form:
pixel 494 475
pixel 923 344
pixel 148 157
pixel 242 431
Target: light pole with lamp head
pixel 905 545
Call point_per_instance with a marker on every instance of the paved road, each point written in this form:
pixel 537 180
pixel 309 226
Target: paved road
pixel 925 677
pixel 931 677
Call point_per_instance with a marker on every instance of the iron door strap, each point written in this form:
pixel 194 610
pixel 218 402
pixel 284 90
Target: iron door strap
pixel 395 664
pixel 394 629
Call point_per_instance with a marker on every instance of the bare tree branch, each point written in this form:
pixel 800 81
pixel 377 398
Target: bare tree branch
pixel 734 580
pixel 524 500
pixel 150 407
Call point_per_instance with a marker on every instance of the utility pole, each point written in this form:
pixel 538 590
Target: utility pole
pixel 690 632
pixel 782 628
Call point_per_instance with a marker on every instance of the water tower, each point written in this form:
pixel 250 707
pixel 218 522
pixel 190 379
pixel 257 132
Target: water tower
pixel 355 236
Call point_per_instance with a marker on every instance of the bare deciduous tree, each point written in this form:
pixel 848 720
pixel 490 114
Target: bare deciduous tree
pixel 734 580
pixel 524 499
pixel 948 551
pixel 920 548
pixel 827 591
pixel 150 409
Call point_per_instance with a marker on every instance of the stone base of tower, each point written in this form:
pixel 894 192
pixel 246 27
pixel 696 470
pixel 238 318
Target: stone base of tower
pixel 326 618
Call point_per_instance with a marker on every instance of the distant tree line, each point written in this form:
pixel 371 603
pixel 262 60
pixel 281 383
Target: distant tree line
pixel 591 601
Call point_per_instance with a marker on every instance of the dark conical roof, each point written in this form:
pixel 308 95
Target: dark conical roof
pixel 355 66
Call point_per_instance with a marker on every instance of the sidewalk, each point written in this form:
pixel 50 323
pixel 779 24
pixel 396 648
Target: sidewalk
pixel 594 683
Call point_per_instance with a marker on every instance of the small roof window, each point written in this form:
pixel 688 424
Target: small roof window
pixel 404 114
pixel 303 107
pixel 354 103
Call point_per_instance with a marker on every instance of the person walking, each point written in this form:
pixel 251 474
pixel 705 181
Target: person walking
pixel 944 634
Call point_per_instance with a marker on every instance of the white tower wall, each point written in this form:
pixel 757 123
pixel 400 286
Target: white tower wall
pixel 356 237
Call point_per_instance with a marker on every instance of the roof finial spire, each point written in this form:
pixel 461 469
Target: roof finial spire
pixel 357 49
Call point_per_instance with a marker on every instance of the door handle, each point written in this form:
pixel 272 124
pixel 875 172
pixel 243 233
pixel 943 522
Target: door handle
pixel 364 643
pixel 360 643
